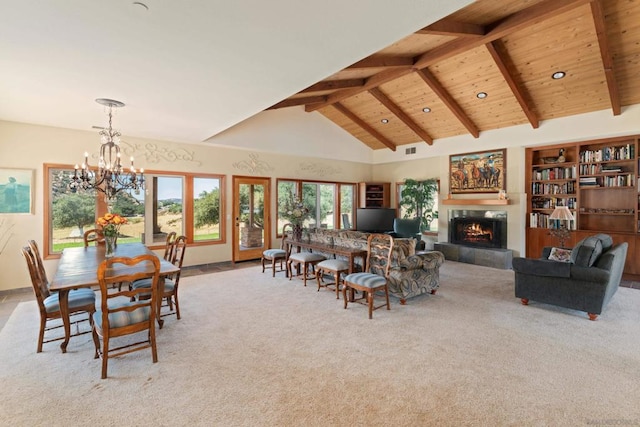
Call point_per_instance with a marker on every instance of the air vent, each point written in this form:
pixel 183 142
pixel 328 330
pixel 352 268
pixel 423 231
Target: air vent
pixel 411 150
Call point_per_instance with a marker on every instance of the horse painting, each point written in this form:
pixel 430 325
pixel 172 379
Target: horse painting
pixel 480 172
pixel 460 178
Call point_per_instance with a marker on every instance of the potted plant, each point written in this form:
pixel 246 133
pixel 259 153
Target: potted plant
pixel 417 199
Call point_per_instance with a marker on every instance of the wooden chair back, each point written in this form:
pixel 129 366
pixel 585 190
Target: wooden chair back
pixel 93 235
pixel 379 251
pixel 169 246
pixel 116 301
pixel 40 263
pixel 40 286
pixel 121 270
pixel 284 234
pixel 179 249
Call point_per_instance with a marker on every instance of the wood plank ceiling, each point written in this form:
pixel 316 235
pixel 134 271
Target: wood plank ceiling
pixel 424 87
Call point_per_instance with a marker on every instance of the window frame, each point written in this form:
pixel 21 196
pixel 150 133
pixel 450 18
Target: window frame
pixel 101 207
pixel 436 201
pixel 337 213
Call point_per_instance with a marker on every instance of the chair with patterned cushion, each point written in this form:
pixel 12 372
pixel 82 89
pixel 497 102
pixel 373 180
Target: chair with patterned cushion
pixel 275 256
pixel 119 315
pixel 80 300
pixel 334 267
pixel 303 260
pixel 374 277
pixel 170 283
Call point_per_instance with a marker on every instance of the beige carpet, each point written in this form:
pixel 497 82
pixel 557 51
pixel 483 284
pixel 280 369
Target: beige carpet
pixel 252 350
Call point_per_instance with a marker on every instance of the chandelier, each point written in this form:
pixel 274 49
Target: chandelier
pixel 111 177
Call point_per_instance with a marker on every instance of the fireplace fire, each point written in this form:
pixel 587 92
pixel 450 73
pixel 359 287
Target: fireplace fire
pixel 474 228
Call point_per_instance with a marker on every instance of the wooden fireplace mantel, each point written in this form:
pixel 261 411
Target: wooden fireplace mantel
pixel 485 202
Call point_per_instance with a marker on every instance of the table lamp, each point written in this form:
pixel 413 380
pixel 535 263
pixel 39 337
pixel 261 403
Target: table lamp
pixel 563 214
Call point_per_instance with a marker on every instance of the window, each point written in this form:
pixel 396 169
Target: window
pixel 188 204
pixel 206 209
pixel 326 201
pixel 430 213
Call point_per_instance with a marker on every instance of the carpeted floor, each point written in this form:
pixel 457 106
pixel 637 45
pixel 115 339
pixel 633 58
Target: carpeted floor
pixel 252 350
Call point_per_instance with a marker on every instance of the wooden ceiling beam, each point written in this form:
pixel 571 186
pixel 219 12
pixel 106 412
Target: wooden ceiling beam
pixel 333 85
pixel 515 22
pixel 373 81
pixel 448 27
pixel 404 117
pixel 510 24
pixel 448 100
pixel 364 125
pixel 607 60
pixel 382 61
pixel 518 91
pixel 292 102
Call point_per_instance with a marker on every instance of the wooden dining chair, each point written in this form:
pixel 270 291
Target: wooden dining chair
pixel 170 293
pixel 169 245
pixel 375 275
pixel 81 301
pixel 276 255
pixel 36 253
pixel 93 235
pixel 118 314
pixel 334 267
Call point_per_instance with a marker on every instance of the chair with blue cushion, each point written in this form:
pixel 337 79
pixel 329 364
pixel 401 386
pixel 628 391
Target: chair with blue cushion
pixel 375 275
pixel 81 301
pixel 335 267
pixel 408 228
pixel 305 263
pixel 278 255
pixel 170 283
pixel 121 312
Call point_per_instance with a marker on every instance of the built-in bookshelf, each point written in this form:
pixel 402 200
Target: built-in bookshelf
pixel 553 181
pixel 597 180
pixel 375 194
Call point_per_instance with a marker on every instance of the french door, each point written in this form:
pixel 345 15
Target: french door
pixel 252 217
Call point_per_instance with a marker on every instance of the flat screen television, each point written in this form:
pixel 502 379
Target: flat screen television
pixel 375 220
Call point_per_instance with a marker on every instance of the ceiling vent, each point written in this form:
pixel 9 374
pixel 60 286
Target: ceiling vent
pixel 411 150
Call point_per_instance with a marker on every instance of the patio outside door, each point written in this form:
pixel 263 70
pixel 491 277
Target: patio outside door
pixel 252 219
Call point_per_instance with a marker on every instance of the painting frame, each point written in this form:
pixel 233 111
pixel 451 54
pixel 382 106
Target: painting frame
pixel 478 172
pixel 16 191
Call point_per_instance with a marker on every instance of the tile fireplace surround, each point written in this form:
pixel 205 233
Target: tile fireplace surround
pixel 482 241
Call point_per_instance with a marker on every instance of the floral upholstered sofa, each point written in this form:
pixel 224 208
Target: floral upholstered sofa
pixel 410 275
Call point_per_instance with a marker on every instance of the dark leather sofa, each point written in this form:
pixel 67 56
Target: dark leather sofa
pixel 586 283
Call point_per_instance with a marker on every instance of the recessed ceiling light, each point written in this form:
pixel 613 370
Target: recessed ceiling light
pixel 558 75
pixel 482 95
pixel 426 110
pixel 385 121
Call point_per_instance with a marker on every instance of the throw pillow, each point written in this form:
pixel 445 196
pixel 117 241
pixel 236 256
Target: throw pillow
pixel 561 255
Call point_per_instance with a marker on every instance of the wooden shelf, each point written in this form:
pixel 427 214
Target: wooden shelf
pixel 479 202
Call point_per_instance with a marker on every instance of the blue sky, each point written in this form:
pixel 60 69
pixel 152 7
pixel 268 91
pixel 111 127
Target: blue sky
pixel 170 187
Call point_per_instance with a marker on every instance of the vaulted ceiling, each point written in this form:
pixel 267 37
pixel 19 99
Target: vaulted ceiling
pixel 426 86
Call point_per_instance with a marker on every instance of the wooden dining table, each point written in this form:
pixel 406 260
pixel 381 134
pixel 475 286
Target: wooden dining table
pixel 78 268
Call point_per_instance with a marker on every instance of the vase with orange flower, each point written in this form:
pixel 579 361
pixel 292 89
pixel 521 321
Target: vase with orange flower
pixel 110 225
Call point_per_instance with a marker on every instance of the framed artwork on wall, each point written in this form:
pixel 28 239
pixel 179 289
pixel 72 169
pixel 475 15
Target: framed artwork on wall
pixel 479 172
pixel 16 191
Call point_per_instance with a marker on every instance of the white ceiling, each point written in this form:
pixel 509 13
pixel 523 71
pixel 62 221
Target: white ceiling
pixel 186 70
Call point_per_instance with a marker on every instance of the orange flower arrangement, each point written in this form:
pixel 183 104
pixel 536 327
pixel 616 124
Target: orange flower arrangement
pixel 110 223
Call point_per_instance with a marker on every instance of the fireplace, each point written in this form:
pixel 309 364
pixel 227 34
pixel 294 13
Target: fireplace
pixel 487 229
